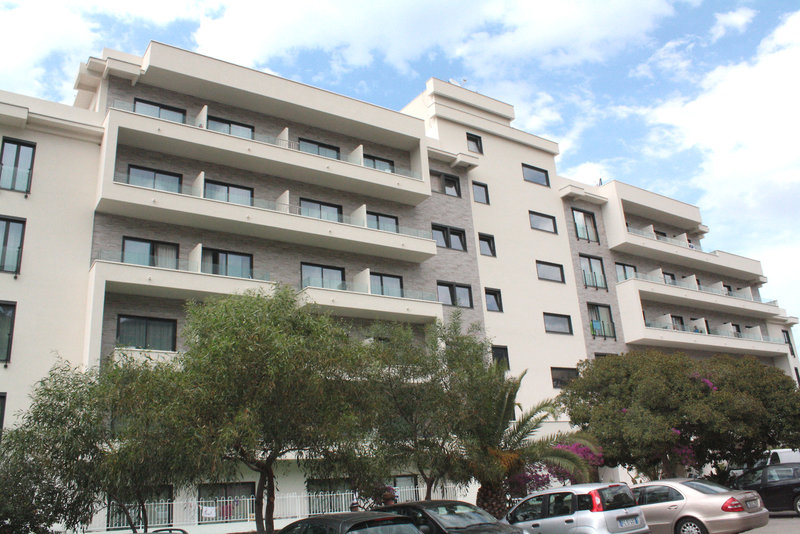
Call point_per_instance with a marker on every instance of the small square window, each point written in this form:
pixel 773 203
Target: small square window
pixel 447 237
pixel 494 302
pixel 585 227
pixel 540 221
pixel 535 175
pixel 562 376
pixel 550 271
pixel 480 192
pixel 474 143
pixel 452 294
pixel 557 324
pixel 500 357
pixel 382 164
pixel 451 185
pixel 486 243
pixel 16 165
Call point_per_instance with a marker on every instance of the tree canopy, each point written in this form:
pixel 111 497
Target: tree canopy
pixel 655 411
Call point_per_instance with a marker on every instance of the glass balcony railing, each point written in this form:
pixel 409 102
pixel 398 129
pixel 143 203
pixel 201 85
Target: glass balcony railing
pixel 170 262
pixel 15 178
pixel 291 145
pixel 752 336
pixel 702 289
pixel 10 259
pixel 603 329
pixel 342 285
pixel 594 279
pixel 665 239
pixel 270 205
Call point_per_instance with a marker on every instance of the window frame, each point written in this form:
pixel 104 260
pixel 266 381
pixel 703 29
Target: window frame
pixel 602 332
pixel 3 402
pixel 496 295
pixel 6 358
pixel 624 266
pixel 319 145
pixel 669 278
pixel 677 320
pixel 449 232
pixel 378 216
pixel 586 215
pixel 590 259
pixel 156 172
pixel 152 242
pixel 339 209
pixel 4 244
pixel 15 172
pixel 452 289
pixel 558 316
pixel 787 338
pixel 342 281
pixel 174 323
pixel 375 159
pixel 489 240
pixel 549 264
pixel 500 356
pixel 455 181
pixel 480 186
pixel 544 172
pixel 382 276
pixel 565 381
pixel 160 107
pixel 551 218
pixel 230 125
pixel 216 264
pixel 228 187
pixel 474 139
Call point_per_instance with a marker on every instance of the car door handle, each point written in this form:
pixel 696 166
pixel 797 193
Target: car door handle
pixel 673 507
pixel 568 521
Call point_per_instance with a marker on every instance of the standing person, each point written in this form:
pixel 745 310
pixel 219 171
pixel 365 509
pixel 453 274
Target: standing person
pixel 389 496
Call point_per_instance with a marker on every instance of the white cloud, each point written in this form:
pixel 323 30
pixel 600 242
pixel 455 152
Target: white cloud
pixel 744 124
pixel 673 60
pixel 732 20
pixel 590 172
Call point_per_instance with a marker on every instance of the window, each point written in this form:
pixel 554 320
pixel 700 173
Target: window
pixel 601 324
pixel 16 165
pixel 593 273
pixel 486 243
pixel 234 194
pixel 2 410
pixel 677 322
pixel 320 210
pixel 230 127
pixel 560 504
pixel 656 495
pixel 474 143
pixel 150 253
pixel 379 221
pixel 529 510
pixel 447 237
pixel 625 271
pixel 562 376
pixel 225 502
pixel 378 163
pixel 494 301
pixel 557 324
pixel 728 289
pixel 480 192
pixel 146 332
pixel 7 312
pixel 661 236
pixel 227 263
pixel 451 185
pixel 159 111
pixel 385 284
pixel 454 294
pixel 669 279
pixel 322 276
pixel 320 149
pixel 540 221
pixel 788 340
pixel 585 227
pixel 535 175
pixel 153 179
pixel 11 235
pixel 500 357
pixel 737 330
pixel 550 271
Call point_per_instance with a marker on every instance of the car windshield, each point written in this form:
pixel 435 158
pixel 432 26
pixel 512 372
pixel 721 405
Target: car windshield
pixel 384 526
pixel 459 515
pixel 616 497
pixel 706 486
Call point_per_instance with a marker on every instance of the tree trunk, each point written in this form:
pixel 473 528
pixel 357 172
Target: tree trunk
pixel 143 510
pixel 259 501
pixel 269 521
pixel 492 498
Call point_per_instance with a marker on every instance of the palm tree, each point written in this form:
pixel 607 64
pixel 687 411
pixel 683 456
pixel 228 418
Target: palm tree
pixel 500 446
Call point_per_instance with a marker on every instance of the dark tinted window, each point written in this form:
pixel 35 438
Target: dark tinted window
pixel 706 486
pixel 535 175
pixel 659 494
pixel 560 504
pixel 528 510
pixel 385 527
pixel 616 497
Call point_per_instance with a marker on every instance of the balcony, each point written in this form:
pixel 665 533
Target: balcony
pixel 594 279
pixel 678 251
pixel 603 329
pixel 263 219
pixel 681 293
pixel 265 154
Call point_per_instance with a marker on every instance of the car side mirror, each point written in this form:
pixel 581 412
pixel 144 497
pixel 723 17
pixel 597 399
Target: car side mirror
pixel 425 529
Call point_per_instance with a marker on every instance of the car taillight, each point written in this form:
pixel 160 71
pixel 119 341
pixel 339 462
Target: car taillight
pixel 732 505
pixel 597 502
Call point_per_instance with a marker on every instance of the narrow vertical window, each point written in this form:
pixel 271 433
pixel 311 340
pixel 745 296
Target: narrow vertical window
pixel 16 165
pixel 7 312
pixel 11 235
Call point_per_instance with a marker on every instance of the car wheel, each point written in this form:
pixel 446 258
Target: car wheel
pixel 690 525
pixel 797 505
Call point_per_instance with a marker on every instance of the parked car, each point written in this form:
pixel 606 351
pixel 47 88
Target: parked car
pixel 584 508
pixel 778 485
pixel 450 517
pixel 697 506
pixel 362 522
pixel 773 456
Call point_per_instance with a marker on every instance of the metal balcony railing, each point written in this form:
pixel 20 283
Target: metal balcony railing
pixel 702 289
pixel 594 279
pixel 714 332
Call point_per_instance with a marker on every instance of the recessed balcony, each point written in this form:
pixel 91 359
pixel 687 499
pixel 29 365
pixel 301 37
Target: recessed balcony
pixel 277 156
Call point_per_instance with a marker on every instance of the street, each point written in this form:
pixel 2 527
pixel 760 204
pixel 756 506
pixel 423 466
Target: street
pixel 780 523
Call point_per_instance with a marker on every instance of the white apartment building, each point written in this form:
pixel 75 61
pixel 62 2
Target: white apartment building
pixel 175 176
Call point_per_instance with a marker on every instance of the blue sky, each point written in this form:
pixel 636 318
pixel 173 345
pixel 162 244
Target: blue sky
pixel 694 99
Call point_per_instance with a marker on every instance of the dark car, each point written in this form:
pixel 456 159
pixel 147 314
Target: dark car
pixel 449 517
pixel 356 522
pixel 778 485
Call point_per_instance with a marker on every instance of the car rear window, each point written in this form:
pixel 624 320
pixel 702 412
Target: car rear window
pixel 616 497
pixel 385 526
pixel 459 515
pixel 706 486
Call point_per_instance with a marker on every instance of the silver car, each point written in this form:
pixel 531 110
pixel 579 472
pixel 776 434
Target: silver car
pixel 584 508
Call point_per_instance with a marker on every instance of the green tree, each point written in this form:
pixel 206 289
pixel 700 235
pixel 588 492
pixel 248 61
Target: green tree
pixel 266 377
pixel 655 411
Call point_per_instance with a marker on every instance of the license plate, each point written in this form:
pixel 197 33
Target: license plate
pixel 628 521
pixel 751 504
